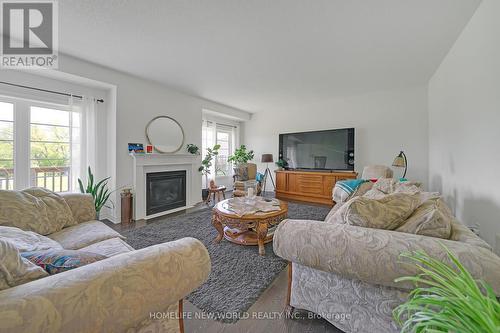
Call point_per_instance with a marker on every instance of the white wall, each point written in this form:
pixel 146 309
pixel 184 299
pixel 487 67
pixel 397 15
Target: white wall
pixel 464 120
pixel 137 102
pixel 385 123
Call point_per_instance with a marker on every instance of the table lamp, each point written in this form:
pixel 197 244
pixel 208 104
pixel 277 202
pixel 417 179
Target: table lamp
pixel 267 158
pixel 401 162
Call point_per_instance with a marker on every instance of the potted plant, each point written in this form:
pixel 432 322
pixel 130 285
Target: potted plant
pixel 193 149
pixel 281 164
pixel 99 191
pixel 206 164
pixel 446 299
pixel 241 155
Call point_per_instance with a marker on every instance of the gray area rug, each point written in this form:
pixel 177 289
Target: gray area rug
pixel 239 275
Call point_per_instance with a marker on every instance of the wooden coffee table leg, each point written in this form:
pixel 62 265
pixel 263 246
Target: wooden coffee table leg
pixel 220 228
pixel 261 236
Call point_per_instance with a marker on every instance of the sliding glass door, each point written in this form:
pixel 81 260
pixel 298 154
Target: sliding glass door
pixel 225 136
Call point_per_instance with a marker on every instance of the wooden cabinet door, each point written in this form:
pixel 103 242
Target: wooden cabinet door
pixel 309 184
pixel 328 184
pixel 281 181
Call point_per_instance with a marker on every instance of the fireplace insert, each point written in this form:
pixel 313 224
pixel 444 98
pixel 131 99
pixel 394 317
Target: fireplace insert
pixel 165 191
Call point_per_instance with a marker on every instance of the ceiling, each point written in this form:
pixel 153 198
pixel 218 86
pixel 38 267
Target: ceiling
pixel 260 55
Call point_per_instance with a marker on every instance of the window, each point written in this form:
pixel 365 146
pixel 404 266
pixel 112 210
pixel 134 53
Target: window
pixel 6 146
pixel 214 133
pixel 224 139
pixel 50 147
pixel 43 151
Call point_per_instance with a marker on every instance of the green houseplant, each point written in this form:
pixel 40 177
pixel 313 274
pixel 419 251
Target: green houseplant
pixel 281 164
pixel 206 164
pixel 241 155
pixel 447 299
pixel 193 149
pixel 98 189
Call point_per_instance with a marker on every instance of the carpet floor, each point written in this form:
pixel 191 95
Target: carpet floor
pixel 239 275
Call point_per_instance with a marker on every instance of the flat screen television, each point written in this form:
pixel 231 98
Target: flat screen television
pixel 318 150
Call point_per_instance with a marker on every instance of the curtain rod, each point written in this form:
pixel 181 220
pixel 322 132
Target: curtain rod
pixel 47 91
pixel 217 123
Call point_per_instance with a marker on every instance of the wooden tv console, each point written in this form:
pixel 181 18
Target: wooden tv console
pixel 309 186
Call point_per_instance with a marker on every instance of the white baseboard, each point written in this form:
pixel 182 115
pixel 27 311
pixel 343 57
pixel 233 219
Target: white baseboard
pixel 152 216
pixel 109 217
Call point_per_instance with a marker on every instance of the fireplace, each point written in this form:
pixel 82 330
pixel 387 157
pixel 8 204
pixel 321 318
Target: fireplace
pixel 165 191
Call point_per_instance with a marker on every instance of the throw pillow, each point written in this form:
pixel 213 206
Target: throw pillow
pixel 25 211
pixel 58 211
pixel 14 269
pixel 385 186
pixel 241 173
pixel 374 194
pixel 387 213
pixel 259 177
pixel 346 189
pixel 433 218
pixel 57 261
pixel 26 241
pixel 363 188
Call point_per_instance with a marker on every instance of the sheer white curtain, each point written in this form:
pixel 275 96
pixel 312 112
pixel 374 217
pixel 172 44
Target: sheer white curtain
pixel 84 138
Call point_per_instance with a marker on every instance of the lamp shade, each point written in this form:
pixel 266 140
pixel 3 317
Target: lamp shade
pixel 399 162
pixel 267 158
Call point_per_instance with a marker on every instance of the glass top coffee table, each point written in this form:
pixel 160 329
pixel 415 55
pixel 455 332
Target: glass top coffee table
pixel 242 222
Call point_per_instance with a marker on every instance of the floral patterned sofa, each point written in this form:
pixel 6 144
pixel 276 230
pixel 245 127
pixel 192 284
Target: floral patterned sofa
pixel 123 292
pixel 345 273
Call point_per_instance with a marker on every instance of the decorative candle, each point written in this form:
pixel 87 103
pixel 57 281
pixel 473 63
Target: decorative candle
pixel 250 192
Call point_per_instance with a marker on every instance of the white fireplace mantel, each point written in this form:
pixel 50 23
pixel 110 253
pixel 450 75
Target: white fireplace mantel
pixel 148 163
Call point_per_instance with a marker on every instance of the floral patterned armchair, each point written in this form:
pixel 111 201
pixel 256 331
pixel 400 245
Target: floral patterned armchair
pixel 245 177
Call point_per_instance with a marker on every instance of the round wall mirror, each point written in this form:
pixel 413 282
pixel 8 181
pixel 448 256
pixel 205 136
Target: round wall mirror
pixel 165 134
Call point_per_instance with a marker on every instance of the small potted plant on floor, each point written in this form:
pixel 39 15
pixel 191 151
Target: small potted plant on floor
pixel 206 164
pixel 98 189
pixel 241 155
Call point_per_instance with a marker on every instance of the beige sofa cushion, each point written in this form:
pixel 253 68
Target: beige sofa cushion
pixel 461 233
pixel 24 211
pixel 58 211
pixel 26 241
pixel 14 269
pixel 331 217
pixel 84 234
pixel 82 206
pixel 109 247
pixel 385 186
pixel 34 209
pixel 387 213
pixel 432 218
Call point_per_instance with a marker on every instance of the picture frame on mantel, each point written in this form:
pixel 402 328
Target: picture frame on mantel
pixel 135 148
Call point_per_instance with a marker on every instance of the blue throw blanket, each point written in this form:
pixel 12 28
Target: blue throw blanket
pixel 350 185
